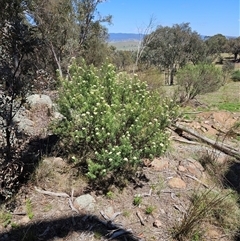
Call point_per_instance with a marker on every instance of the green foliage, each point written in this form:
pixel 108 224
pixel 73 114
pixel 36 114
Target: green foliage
pixel 137 200
pixel 196 236
pixel 229 106
pixel 236 75
pixel 227 69
pixel 110 195
pixel 111 121
pixel 216 44
pixel 5 218
pixel 149 209
pixel 172 47
pixel 29 208
pixel 126 213
pixel 233 46
pixel 17 44
pixel 198 79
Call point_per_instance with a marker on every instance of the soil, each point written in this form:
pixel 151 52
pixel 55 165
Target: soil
pixel 164 189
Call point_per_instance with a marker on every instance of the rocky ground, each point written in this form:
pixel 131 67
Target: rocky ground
pixel 147 209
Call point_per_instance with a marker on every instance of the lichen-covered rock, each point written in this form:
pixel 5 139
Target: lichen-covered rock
pixel 37 99
pixel 85 202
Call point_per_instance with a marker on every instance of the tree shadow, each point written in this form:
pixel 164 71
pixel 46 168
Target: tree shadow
pixel 76 225
pixel 232 177
pixel 15 173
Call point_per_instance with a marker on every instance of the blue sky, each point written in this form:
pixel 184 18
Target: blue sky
pixel 207 17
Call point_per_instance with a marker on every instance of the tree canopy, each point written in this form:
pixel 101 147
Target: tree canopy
pixel 216 44
pixel 172 47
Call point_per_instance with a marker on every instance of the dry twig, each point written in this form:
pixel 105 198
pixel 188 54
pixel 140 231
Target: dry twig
pixel 140 218
pixel 57 194
pixel 197 180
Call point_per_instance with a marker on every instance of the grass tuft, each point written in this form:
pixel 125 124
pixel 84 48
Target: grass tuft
pixel 213 206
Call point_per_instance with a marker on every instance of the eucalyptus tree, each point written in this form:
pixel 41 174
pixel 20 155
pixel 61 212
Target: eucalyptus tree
pixel 69 28
pixel 216 45
pixel 172 47
pixel 233 47
pixel 18 44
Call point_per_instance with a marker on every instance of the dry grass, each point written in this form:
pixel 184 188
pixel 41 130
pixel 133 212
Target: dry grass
pixel 217 207
pixel 216 169
pixel 126 45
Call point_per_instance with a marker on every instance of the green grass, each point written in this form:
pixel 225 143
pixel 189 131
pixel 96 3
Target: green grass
pixel 5 218
pixel 229 106
pixel 226 98
pixel 137 200
pixel 110 195
pixel 29 208
pixel 149 209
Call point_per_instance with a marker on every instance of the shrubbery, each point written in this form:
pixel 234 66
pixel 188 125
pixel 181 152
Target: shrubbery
pixel 198 79
pixel 111 121
pixel 236 75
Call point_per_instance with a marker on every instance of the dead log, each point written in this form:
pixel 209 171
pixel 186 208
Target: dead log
pixel 219 146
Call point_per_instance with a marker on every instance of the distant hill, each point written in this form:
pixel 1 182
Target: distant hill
pixel 119 37
pixel 130 41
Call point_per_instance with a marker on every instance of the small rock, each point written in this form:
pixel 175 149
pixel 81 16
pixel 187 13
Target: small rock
pixel 162 211
pixel 36 99
pixel 157 223
pixel 196 163
pixel 57 116
pixel 182 169
pixel 176 182
pixel 24 220
pixel 86 202
pixel 109 211
pixel 159 164
pixel 58 162
pixel 194 170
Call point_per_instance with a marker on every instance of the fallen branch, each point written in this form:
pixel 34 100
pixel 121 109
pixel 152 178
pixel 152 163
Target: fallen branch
pixel 219 146
pixel 184 141
pixel 172 194
pixel 71 205
pixel 140 218
pixel 115 215
pixel 179 209
pixel 57 194
pixel 145 194
pixel 21 213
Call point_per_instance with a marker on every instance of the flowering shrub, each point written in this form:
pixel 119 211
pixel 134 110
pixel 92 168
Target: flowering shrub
pixel 111 121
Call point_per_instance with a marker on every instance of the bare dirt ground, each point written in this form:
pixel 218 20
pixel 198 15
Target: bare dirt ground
pixel 164 188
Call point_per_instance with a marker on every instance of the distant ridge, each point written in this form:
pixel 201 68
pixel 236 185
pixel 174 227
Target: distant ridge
pixel 118 37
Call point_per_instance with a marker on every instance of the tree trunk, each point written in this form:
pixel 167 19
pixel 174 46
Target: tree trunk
pixel 171 76
pixel 235 56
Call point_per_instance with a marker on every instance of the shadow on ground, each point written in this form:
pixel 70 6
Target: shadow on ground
pixel 15 173
pixel 81 226
pixel 232 177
